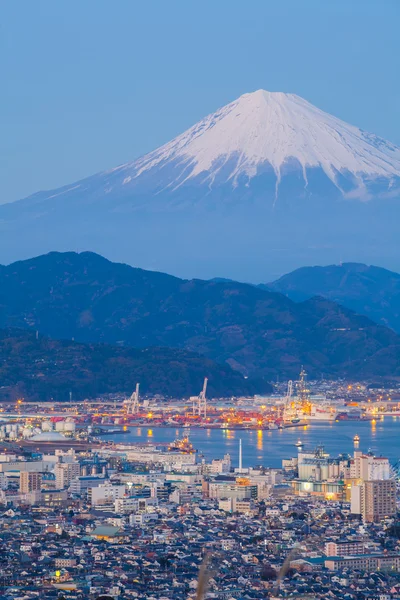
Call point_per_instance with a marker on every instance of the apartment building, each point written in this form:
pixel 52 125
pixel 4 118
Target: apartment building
pixel 65 473
pixel 29 481
pixel 345 548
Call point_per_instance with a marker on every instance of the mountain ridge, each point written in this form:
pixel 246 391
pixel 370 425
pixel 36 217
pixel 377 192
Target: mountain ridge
pixel 366 289
pixel 259 333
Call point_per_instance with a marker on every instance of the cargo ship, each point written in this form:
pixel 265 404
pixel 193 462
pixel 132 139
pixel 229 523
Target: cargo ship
pixel 322 413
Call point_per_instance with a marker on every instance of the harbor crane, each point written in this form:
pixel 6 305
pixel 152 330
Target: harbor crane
pixel 289 392
pixel 132 404
pixel 200 402
pixel 287 408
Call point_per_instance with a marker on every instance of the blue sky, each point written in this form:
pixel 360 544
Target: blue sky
pixel 89 84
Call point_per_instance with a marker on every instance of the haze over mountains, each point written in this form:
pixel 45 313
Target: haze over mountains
pixel 264 185
pixel 259 333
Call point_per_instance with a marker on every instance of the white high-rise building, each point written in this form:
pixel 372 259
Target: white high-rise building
pixel 106 493
pixel 367 467
pixel 65 473
pixel 373 492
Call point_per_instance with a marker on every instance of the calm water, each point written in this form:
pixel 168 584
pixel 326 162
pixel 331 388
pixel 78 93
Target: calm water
pixel 269 447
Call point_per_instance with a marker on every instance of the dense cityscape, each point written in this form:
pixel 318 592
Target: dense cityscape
pixel 83 515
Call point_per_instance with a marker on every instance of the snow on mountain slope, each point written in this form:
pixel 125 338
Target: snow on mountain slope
pixel 267 127
pixel 267 135
pixel 267 179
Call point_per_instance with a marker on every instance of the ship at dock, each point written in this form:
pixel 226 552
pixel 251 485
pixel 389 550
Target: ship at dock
pixel 301 407
pixel 297 402
pixel 321 412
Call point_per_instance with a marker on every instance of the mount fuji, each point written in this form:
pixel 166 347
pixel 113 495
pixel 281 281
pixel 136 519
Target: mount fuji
pixel 264 185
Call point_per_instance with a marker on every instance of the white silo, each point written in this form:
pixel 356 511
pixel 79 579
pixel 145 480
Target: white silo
pixel 47 426
pixel 60 425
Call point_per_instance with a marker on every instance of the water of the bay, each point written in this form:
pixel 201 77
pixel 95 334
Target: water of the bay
pixel 270 447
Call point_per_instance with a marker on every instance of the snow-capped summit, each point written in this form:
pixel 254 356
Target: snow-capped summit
pixel 264 185
pixel 274 127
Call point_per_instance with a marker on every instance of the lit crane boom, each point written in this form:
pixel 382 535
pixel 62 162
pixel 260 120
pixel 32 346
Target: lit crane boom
pixel 200 402
pixel 132 404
